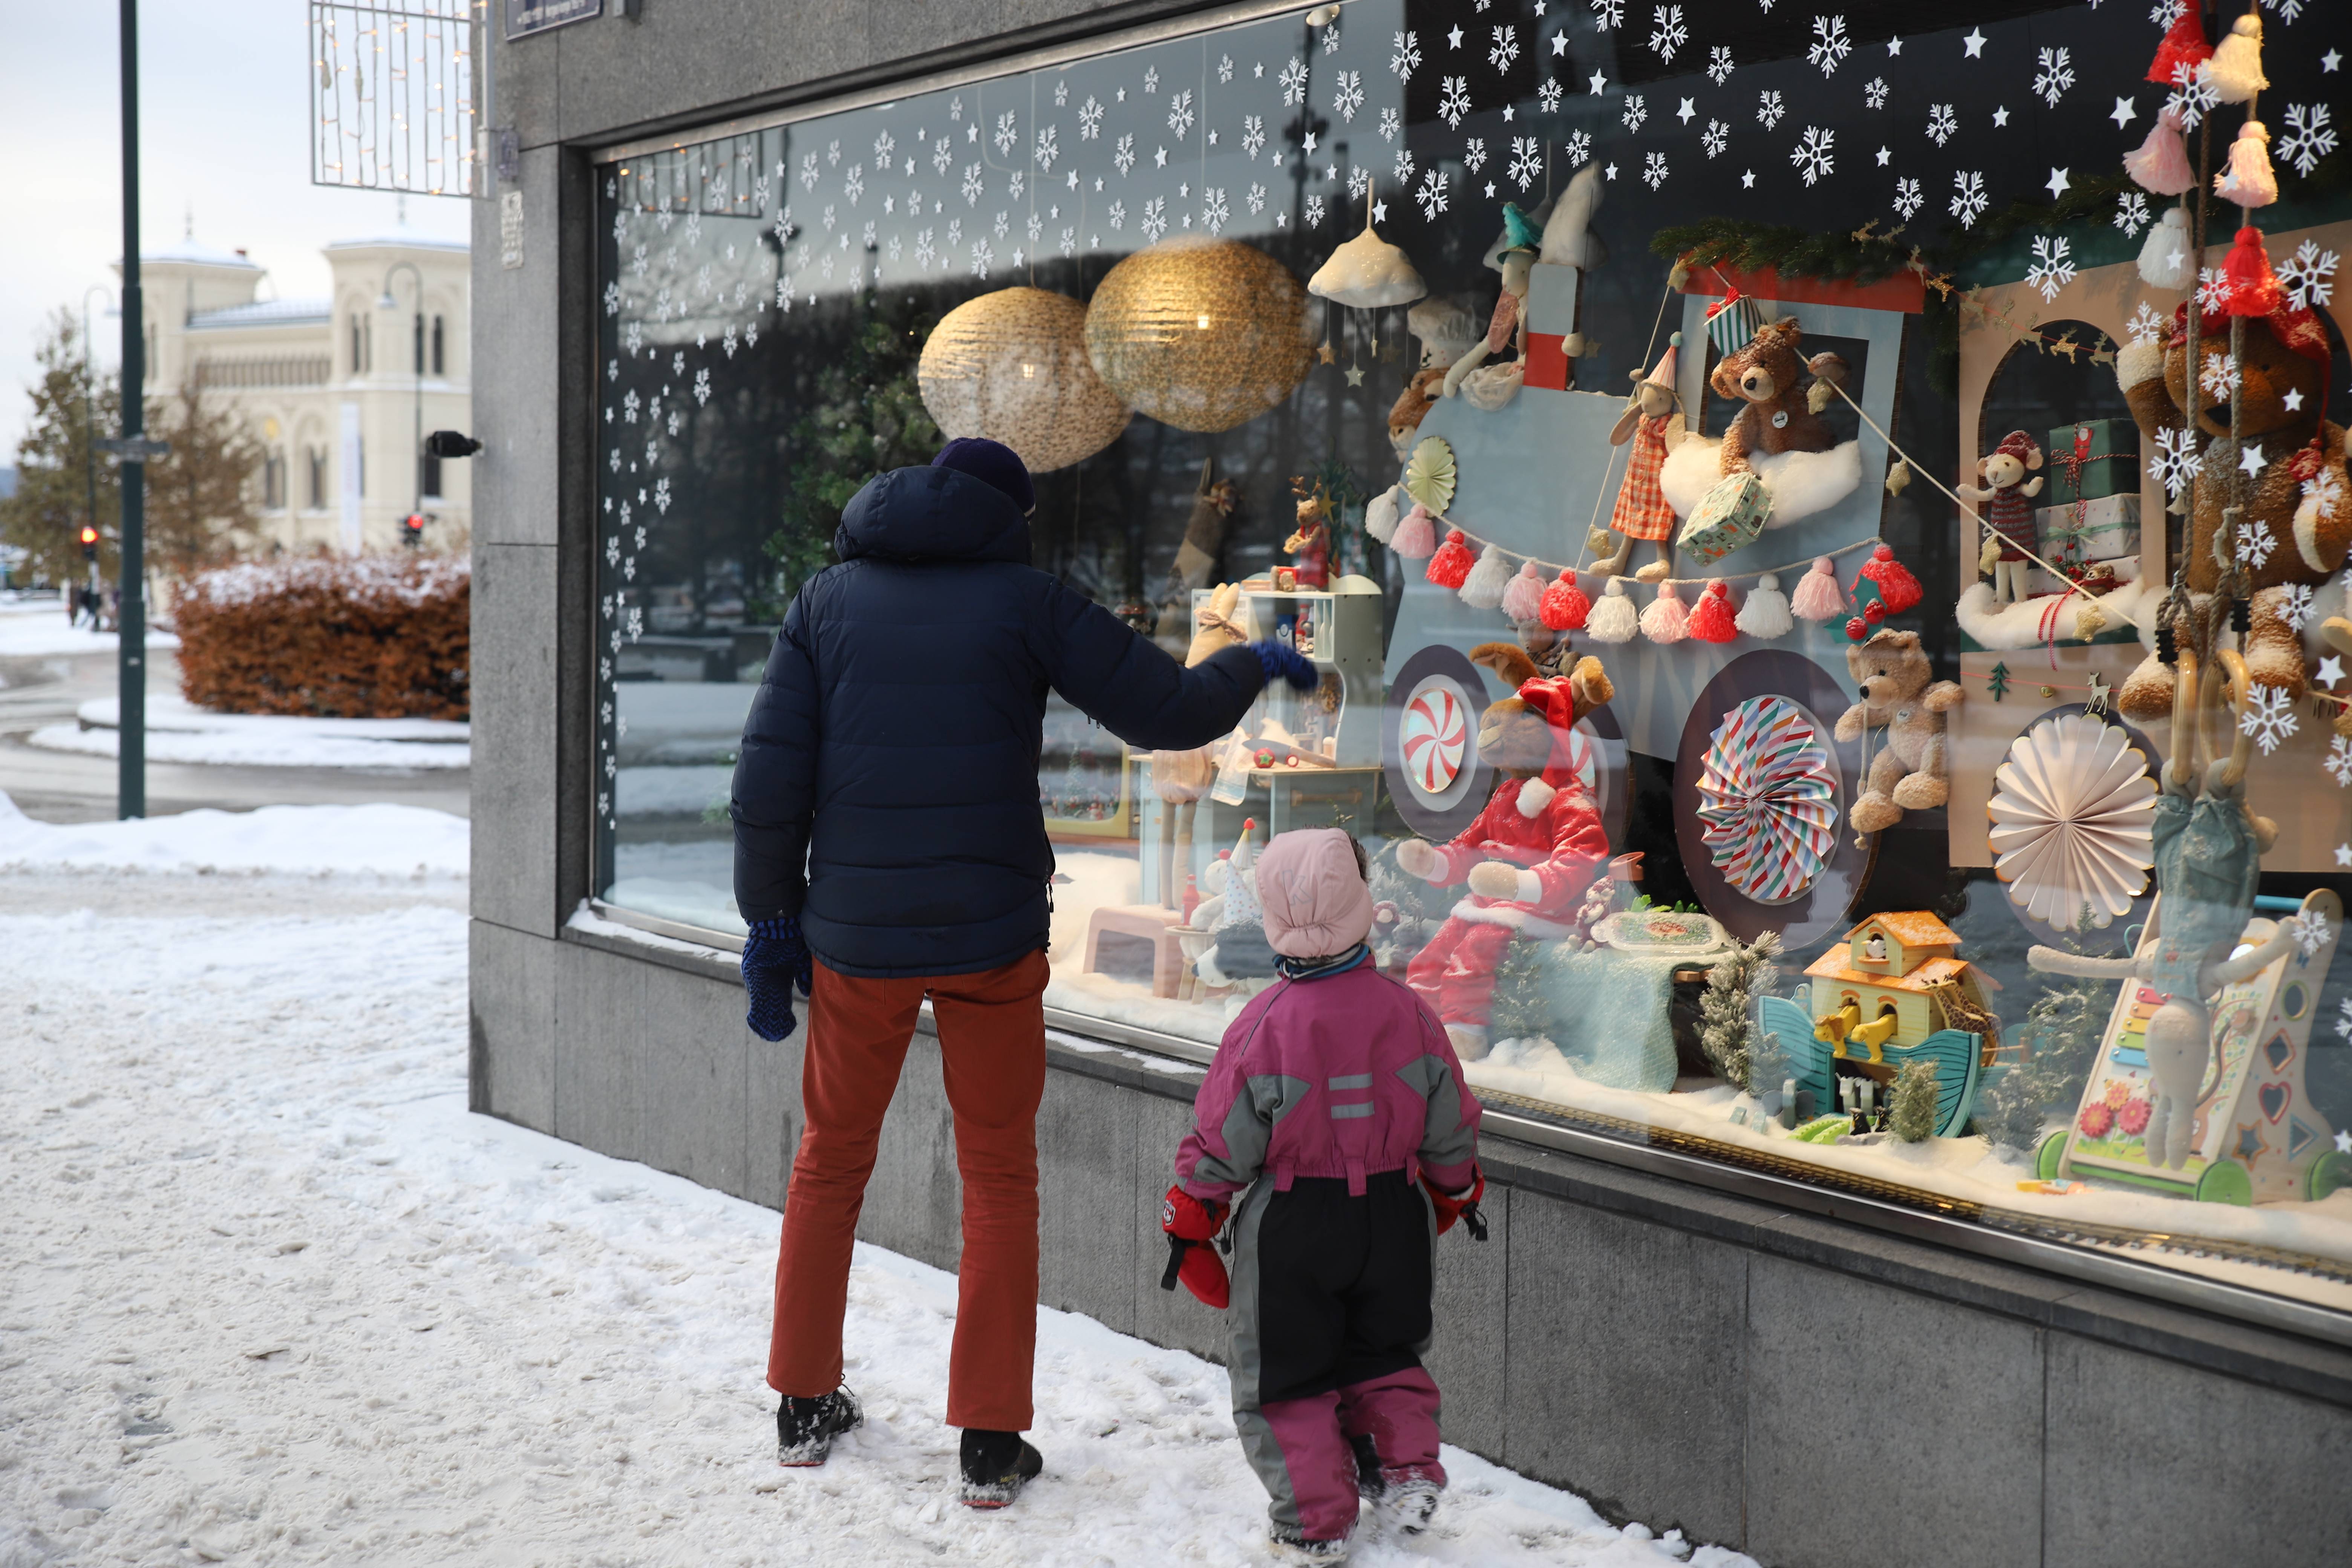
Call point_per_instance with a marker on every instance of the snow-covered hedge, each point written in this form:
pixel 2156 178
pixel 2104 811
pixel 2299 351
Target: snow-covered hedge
pixel 373 636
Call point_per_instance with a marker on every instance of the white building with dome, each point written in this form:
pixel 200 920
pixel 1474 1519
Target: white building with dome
pixel 334 389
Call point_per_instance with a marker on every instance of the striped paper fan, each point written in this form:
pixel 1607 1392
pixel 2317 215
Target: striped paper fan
pixel 2072 818
pixel 1768 800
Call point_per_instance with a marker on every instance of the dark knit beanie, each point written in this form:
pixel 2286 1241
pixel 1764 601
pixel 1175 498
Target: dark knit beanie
pixel 991 463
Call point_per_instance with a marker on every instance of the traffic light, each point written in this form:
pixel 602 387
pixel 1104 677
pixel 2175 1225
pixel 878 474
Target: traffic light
pixel 412 530
pixel 89 542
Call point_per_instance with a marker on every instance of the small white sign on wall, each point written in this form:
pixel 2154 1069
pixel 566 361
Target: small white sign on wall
pixel 510 229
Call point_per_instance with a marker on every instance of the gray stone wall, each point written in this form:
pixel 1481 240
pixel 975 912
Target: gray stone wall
pixel 1808 1391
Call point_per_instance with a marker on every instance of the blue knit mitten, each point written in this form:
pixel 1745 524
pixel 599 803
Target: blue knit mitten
pixel 774 958
pixel 1282 662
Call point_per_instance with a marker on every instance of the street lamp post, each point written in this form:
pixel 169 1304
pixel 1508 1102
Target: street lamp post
pixel 130 785
pixel 416 347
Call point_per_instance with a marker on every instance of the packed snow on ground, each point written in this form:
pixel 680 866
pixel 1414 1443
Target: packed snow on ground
pixel 376 840
pixel 31 627
pixel 291 747
pixel 273 1296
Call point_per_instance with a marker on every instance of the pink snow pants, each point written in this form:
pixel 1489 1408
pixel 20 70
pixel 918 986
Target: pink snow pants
pixel 1455 972
pixel 1398 1412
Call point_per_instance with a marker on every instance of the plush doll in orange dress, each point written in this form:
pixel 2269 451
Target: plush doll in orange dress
pixel 1653 422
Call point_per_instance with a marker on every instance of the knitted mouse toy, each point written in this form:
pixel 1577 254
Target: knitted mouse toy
pixel 2005 501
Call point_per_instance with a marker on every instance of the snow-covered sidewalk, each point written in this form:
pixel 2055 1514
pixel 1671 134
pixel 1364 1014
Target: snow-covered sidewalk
pixel 179 731
pixel 272 1296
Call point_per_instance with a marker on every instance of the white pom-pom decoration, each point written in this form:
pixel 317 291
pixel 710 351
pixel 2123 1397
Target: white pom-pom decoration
pixel 1765 615
pixel 2164 256
pixel 2235 71
pixel 1483 589
pixel 1381 517
pixel 1613 619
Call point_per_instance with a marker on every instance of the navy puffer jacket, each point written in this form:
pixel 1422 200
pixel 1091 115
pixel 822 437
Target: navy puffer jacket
pixel 886 790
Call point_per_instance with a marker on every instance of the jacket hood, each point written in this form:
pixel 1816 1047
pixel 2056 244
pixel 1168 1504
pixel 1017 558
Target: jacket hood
pixel 1315 900
pixel 931 514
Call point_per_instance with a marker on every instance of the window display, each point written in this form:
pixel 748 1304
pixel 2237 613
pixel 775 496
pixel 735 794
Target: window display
pixel 1826 553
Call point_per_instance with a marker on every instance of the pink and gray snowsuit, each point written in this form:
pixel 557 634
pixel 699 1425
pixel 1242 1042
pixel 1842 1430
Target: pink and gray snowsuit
pixel 1330 1095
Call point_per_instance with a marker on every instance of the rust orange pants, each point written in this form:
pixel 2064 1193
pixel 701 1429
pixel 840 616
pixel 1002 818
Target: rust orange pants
pixel 993 1048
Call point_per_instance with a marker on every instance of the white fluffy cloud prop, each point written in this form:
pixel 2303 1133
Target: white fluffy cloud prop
pixel 1368 272
pixel 1799 483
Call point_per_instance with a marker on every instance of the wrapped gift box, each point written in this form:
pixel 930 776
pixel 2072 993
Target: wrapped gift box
pixel 2092 459
pixel 1727 518
pixel 2085 530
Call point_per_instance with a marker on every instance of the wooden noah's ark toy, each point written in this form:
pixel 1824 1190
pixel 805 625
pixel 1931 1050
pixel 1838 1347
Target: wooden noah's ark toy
pixel 1896 993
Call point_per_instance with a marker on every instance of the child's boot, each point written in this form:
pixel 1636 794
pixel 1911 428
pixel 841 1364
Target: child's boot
pixel 805 1428
pixel 996 1465
pixel 1406 1501
pixel 1292 1544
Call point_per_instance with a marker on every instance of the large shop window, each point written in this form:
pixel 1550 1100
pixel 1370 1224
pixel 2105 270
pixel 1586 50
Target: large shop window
pixel 1811 696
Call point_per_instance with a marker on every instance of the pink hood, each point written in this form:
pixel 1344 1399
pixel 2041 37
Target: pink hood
pixel 1316 902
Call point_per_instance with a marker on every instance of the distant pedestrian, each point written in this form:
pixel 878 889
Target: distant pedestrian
pixel 1336 1109
pixel 889 846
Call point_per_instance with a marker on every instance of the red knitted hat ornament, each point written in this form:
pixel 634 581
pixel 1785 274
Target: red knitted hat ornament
pixel 1710 619
pixel 2254 288
pixel 1564 604
pixel 1450 567
pixel 1898 590
pixel 2184 44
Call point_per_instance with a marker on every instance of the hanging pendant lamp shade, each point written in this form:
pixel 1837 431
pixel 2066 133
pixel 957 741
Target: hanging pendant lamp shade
pixel 1200 335
pixel 1012 366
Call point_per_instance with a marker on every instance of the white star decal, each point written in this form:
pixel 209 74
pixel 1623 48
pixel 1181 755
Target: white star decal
pixel 2344 1139
pixel 2173 259
pixel 1686 111
pixel 1610 172
pixel 2125 111
pixel 2344 858
pixel 1747 180
pixel 1212 138
pixel 1490 190
pixel 1016 257
pixel 1540 7
pixel 1122 95
pixel 1560 43
pixel 1506 111
pixel 2001 115
pixel 1257 71
pixel 1974 44
pixel 1074 179
pixel 2331 670
pixel 1310 141
pixel 1379 211
pixel 1160 158
pixel 1331 171
pixel 1282 220
pixel 2057 184
pixel 1884 154
pixel 2251 459
pixel 1098 182
pixel 1453 38
pixel 971 132
pixel 1893 46
pixel 2293 400
pixel 2330 60
pixel 1599 84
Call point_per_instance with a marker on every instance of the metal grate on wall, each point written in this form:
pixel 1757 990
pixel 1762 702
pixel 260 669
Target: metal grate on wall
pixel 394 95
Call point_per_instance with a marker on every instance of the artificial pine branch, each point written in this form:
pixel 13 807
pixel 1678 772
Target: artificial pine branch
pixel 1726 1030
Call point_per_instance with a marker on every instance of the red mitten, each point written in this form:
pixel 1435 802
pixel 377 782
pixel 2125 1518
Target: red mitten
pixel 1462 1206
pixel 1191 1255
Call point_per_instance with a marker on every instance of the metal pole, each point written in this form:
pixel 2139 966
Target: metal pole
pixel 130 787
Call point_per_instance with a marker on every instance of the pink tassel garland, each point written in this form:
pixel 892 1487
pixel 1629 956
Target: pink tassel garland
pixel 2248 180
pixel 2160 163
pixel 1416 536
pixel 1523 599
pixel 1817 597
pixel 1666 621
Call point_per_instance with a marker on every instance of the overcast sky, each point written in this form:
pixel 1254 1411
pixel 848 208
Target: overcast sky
pixel 224 126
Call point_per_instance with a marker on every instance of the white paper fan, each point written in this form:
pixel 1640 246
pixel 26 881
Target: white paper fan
pixel 2071 821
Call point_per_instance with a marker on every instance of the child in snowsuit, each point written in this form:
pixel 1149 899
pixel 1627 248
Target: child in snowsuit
pixel 1337 1103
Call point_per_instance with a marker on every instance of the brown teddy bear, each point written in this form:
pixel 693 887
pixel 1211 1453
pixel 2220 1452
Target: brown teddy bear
pixel 1764 375
pixel 1900 691
pixel 1413 405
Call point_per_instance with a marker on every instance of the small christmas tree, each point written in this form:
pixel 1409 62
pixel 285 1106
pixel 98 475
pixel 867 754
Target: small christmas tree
pixel 1521 1010
pixel 1913 1117
pixel 2060 1036
pixel 1726 1011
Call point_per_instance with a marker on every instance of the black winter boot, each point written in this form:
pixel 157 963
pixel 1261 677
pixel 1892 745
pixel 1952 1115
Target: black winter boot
pixel 805 1428
pixel 1292 1545
pixel 1369 1483
pixel 995 1466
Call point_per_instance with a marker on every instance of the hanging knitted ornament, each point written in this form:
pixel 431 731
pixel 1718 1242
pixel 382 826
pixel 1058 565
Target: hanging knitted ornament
pixel 1450 567
pixel 1765 615
pixel 2248 181
pixel 1416 536
pixel 2164 260
pixel 2254 288
pixel 2184 45
pixel 1522 596
pixel 2160 163
pixel 1710 618
pixel 1564 604
pixel 2235 71
pixel 1817 597
pixel 1665 620
pixel 1613 619
pixel 1898 590
pixel 1483 589
pixel 1381 516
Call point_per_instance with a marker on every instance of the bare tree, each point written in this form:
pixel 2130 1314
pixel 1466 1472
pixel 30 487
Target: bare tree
pixel 200 496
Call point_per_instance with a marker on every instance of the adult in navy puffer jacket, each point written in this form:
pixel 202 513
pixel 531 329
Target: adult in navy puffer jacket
pixel 889 846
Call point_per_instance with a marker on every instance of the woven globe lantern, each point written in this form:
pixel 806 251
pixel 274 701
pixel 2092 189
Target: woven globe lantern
pixel 1012 366
pixel 1200 335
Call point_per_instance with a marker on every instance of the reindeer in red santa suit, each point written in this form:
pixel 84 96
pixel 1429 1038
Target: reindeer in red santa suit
pixel 1530 855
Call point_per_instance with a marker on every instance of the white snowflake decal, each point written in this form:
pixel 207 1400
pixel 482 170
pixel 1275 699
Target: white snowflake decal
pixel 1653 169
pixel 1715 138
pixel 1608 14
pixel 1062 91
pixel 973 187
pixel 982 258
pixel 2146 326
pixel 1830 46
pixel 2269 718
pixel 2339 767
pixel 1941 124
pixel 2194 95
pixel 1331 39
pixel 2213 291
pixel 2324 490
pixel 1719 64
pixel 1667 31
pixel 1548 97
pixel 1432 195
pixel 2298 605
pixel 942 156
pixel 1812 155
pixel 1122 154
pixel 1874 92
pixel 1347 95
pixel 1294 81
pixel 2255 544
pixel 2053 269
pixel 1505 49
pixel 1526 161
pixel 701 387
pixel 1579 148
pixel 2131 213
pixel 1006 135
pixel 2310 930
pixel 1474 153
pixel 2309 276
pixel 1907 198
pixel 1180 115
pixel 1151 79
pixel 1224 71
pixel 2307 139
pixel 1406 57
pixel 1256 197
pixel 1403 167
pixel 1769 107
pixel 809 171
pixel 1360 180
pixel 1047 148
pixel 924 250
pixel 2052 75
pixel 1635 112
pixel 2344 1018
pixel 1453 100
pixel 1069 241
pixel 2218 376
pixel 612 299
pixel 1118 215
pixel 1090 119
pixel 1315 212
pixel 2177 461
pixel 661 500
pixel 1391 123
pixel 1154 222
pixel 853 185
pixel 1214 213
pixel 1968 198
pixel 1253 134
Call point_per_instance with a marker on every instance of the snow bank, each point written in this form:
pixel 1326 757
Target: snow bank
pixel 177 713
pixel 305 840
pixel 33 629
pixel 286 748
